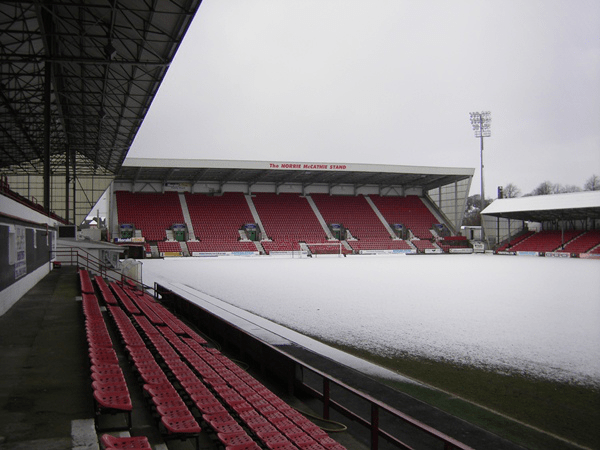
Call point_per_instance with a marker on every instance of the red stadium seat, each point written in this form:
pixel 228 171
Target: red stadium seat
pixel 134 443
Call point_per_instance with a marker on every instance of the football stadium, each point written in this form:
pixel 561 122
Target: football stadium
pixel 247 304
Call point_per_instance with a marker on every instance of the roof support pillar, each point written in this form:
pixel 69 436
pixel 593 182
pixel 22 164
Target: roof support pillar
pixel 74 166
pixel 47 123
pixel 67 156
pixel 456 223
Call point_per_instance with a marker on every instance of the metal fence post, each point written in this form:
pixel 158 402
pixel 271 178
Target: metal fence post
pixel 326 398
pixel 374 426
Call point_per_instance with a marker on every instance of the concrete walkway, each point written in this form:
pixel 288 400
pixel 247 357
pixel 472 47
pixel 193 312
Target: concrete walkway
pixel 44 371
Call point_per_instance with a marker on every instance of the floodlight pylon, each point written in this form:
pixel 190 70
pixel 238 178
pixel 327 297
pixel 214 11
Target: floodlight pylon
pixel 482 126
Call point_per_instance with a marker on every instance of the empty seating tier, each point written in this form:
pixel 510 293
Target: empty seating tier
pixel 169 246
pixel 153 213
pixel 357 215
pixel 216 221
pixel 545 241
pixel 508 246
pixel 288 219
pixel 409 211
pixel 583 243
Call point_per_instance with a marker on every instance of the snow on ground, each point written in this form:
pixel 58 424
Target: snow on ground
pixel 538 316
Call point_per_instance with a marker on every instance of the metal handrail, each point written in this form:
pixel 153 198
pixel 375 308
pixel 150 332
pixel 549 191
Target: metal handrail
pixel 376 406
pixel 329 402
pixel 82 259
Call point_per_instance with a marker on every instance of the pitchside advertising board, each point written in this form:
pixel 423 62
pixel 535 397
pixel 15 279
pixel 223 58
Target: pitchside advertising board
pixel 589 255
pixel 212 254
pixel 133 239
pixel 557 254
pixel 554 254
pixel 388 252
pixel 461 250
pixel 478 247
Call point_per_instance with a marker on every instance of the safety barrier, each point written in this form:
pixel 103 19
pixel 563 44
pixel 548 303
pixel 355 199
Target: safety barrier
pixel 294 374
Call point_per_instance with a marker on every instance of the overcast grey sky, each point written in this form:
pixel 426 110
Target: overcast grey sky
pixel 388 82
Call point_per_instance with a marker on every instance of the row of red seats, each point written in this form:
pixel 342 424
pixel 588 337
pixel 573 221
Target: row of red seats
pixel 169 246
pixel 178 421
pixel 423 245
pixel 223 214
pixel 515 241
pixel 409 211
pixel 281 246
pixel 131 442
pixel 216 386
pixel 353 212
pixel 125 300
pixel 132 338
pixel 583 243
pixel 288 217
pixel 110 392
pixel 545 241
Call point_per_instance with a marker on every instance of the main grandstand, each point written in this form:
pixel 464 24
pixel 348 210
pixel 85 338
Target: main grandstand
pixel 208 208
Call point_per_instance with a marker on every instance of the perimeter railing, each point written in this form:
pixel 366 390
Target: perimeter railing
pixel 375 411
pixel 74 256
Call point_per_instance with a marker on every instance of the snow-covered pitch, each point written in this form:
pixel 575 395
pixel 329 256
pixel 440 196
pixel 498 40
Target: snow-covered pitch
pixel 536 316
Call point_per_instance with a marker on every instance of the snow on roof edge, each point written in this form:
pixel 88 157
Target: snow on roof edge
pixel 294 165
pixel 575 200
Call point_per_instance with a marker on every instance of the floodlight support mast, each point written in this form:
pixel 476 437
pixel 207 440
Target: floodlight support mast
pixel 481 122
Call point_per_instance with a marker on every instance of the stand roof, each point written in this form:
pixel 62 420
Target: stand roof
pixel 278 172
pixel 542 208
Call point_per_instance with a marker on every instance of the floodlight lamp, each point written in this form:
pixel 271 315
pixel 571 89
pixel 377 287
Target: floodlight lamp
pixel 481 122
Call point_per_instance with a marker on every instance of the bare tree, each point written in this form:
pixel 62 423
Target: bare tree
pixel 545 188
pixel 473 209
pixel 569 188
pixel 592 183
pixel 511 191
